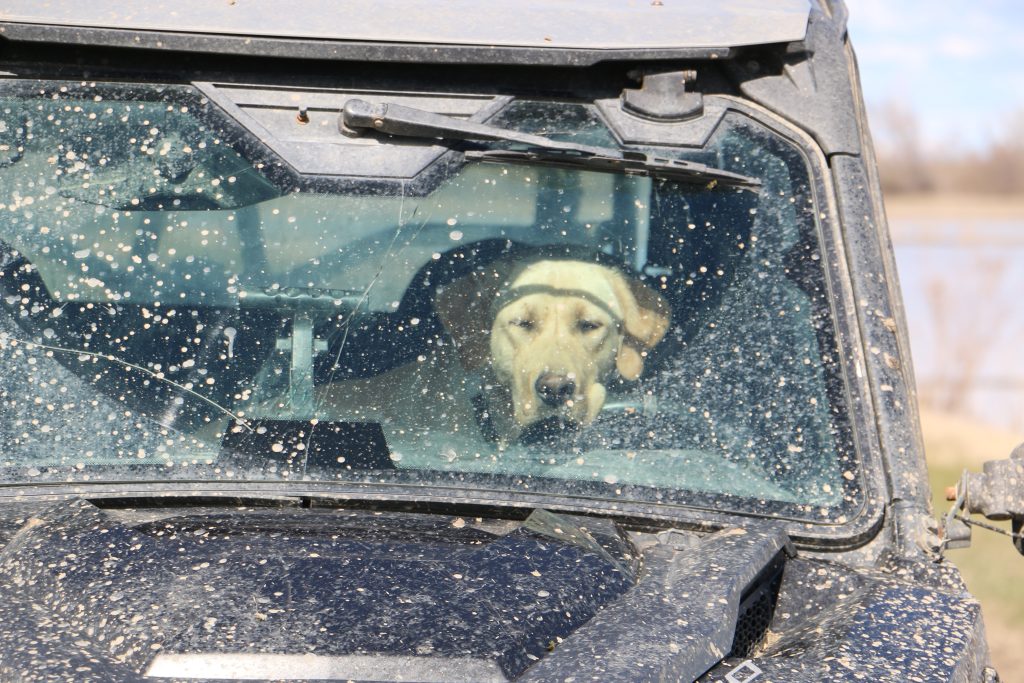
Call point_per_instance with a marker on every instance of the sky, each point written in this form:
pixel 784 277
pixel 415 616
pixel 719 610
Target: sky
pixel 958 65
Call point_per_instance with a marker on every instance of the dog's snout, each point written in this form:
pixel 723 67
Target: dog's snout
pixel 555 390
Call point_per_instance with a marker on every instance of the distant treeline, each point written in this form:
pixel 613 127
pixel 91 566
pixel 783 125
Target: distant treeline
pixel 906 166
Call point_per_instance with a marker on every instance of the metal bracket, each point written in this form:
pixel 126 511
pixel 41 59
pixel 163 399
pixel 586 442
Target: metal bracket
pixel 953 532
pixel 302 307
pixel 304 347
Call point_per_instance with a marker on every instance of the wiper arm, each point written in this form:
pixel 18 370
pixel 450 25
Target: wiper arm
pixel 395 119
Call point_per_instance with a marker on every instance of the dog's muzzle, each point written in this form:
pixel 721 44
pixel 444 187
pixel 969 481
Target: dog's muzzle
pixel 555 390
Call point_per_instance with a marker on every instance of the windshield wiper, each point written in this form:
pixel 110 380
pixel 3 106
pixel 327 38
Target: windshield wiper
pixel 395 119
pixel 627 162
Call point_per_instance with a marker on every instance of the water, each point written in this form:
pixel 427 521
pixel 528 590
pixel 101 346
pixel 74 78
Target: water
pixel 963 286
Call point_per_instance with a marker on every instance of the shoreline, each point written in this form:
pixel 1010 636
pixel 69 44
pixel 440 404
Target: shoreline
pixel 948 205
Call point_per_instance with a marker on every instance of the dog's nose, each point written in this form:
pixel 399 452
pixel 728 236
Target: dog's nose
pixel 554 389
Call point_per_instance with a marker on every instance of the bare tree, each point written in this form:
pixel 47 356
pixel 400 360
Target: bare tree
pixel 964 341
pixel 905 166
pixel 901 156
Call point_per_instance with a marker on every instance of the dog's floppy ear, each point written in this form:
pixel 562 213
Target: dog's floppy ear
pixel 464 307
pixel 645 320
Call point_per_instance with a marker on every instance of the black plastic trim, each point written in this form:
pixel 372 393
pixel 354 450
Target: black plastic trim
pixel 345 51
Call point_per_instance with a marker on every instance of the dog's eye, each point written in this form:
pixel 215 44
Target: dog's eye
pixel 523 323
pixel 588 325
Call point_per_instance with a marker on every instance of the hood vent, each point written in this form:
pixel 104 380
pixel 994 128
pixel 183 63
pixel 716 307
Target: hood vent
pixel 757 607
pixel 685 610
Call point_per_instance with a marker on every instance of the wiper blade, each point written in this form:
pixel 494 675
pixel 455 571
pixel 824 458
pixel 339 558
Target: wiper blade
pixel 628 162
pixel 396 119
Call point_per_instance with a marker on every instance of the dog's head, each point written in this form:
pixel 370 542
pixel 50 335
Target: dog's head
pixel 553 332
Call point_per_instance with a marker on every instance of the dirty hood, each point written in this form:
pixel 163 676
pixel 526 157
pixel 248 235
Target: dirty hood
pixel 99 594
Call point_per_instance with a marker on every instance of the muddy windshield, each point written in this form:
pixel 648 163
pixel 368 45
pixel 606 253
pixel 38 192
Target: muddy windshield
pixel 175 306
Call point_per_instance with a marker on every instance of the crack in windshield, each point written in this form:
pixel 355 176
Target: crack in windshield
pixel 29 344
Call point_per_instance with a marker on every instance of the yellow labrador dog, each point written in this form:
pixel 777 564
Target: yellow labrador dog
pixel 537 338
pixel 548 334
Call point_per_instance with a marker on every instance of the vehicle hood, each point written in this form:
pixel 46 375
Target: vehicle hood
pixel 96 594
